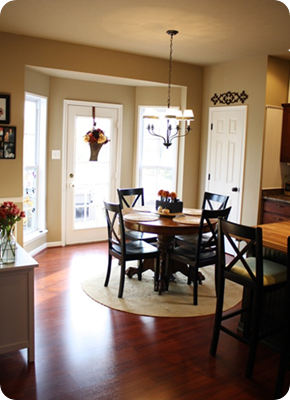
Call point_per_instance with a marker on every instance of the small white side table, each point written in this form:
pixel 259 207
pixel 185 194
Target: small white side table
pixel 17 304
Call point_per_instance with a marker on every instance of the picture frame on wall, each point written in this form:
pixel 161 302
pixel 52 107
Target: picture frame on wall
pixel 4 108
pixel 7 142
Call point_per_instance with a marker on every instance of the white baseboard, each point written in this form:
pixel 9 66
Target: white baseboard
pixel 54 244
pixel 45 246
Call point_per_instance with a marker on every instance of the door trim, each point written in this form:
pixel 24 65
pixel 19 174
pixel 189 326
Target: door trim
pixel 243 108
pixel 66 104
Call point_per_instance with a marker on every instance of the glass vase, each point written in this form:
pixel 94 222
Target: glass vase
pixel 8 245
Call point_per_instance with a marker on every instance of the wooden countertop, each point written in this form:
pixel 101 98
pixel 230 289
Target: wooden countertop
pixel 275 235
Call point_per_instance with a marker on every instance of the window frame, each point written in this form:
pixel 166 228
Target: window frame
pixel 40 165
pixel 141 132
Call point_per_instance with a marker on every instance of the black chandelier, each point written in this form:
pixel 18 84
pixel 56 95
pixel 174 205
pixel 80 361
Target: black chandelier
pixel 171 114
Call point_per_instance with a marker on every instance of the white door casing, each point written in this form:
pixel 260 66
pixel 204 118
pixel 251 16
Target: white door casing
pixel 87 183
pixel 226 153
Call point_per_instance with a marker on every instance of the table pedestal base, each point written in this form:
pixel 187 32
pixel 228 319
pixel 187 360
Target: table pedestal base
pixel 165 243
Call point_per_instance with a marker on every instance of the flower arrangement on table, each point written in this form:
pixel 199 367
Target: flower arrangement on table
pixel 167 196
pixel 9 215
pixel 168 203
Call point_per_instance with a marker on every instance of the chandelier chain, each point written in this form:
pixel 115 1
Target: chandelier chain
pixel 170 70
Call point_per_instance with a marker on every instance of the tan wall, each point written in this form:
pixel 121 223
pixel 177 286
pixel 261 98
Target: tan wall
pixel 85 59
pixel 249 75
pixel 201 84
pixel 36 83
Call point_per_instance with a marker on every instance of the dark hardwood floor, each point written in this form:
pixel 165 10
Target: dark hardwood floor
pixel 85 351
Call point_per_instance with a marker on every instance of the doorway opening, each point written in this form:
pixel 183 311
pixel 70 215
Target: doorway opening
pixel 88 183
pixel 226 155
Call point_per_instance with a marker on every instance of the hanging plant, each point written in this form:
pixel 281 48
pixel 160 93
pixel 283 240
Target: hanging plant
pixel 96 138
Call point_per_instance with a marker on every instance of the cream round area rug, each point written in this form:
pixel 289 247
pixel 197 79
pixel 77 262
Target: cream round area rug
pixel 140 298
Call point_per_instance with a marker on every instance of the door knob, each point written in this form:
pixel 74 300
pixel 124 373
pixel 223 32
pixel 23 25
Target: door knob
pixel 235 189
pixel 71 185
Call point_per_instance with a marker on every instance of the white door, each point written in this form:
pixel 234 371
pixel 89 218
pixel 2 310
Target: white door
pixel 89 183
pixel 225 164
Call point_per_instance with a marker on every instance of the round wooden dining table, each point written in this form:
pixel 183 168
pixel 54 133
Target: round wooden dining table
pixel 166 227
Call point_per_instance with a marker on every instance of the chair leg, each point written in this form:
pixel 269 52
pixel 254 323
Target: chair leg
pixel 218 318
pixel 167 272
pixel 254 336
pixel 140 269
pixel 281 376
pixel 195 286
pixel 108 270
pixel 156 271
pixel 284 354
pixel 216 279
pixel 189 276
pixel 248 301
pixel 122 279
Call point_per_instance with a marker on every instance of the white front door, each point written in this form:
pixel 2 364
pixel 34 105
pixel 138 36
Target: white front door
pixel 89 183
pixel 225 164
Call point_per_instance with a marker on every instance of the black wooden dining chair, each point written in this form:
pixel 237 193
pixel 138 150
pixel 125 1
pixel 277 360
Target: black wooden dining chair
pixel 129 198
pixel 123 249
pixel 214 201
pixel 284 362
pixel 258 277
pixel 201 254
pixel 211 201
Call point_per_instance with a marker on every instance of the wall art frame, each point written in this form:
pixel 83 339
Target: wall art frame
pixel 4 108
pixel 7 142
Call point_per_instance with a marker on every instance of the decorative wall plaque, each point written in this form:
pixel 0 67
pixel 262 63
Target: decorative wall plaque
pixel 229 98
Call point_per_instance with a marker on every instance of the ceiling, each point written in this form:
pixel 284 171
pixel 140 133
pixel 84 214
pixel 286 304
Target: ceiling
pixel 210 31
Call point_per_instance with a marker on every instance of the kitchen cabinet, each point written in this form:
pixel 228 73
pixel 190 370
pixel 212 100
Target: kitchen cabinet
pixel 275 211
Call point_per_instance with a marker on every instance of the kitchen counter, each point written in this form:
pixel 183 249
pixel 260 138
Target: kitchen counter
pixel 275 195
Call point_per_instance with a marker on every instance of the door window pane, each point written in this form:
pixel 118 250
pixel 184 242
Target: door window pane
pixel 92 178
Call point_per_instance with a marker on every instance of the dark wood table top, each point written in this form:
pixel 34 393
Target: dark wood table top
pixel 161 225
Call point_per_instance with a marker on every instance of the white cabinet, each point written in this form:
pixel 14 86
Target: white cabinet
pixel 17 304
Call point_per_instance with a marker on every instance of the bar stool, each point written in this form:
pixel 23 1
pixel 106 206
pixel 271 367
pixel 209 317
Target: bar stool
pixel 285 344
pixel 257 275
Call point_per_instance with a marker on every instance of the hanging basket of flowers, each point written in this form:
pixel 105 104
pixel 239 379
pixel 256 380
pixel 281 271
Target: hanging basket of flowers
pixel 96 138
